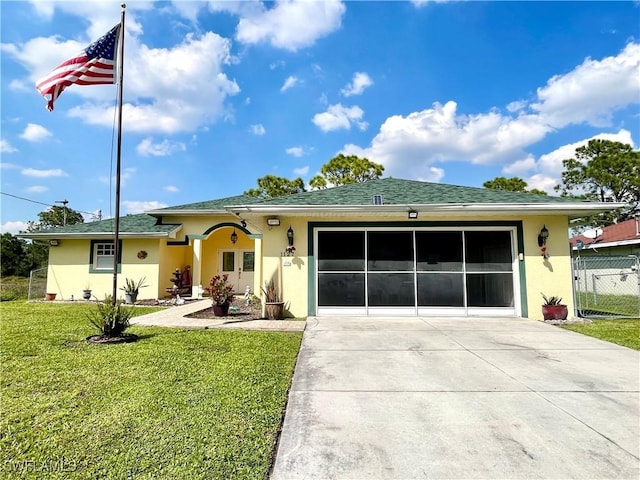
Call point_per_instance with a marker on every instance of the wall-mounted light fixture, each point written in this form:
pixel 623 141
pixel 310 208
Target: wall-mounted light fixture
pixel 273 222
pixel 412 214
pixel 542 236
pixel 290 236
pixel 542 241
pixel 243 223
pixel 54 243
pixel 234 237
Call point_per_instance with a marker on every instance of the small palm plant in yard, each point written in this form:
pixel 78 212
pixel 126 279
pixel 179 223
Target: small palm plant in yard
pixel 111 319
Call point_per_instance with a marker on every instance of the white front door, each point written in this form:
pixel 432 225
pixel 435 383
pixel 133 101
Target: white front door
pixel 238 265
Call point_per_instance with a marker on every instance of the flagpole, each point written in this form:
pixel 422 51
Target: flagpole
pixel 116 239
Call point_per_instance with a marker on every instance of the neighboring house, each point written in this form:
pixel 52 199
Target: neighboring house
pixel 383 247
pixel 619 239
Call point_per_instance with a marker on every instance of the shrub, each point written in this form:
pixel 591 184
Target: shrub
pixel 220 290
pixel 109 319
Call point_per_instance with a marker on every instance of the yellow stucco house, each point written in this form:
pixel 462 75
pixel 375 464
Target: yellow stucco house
pixel 383 247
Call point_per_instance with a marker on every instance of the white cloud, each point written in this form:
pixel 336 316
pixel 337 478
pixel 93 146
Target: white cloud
pixel 171 188
pixel 339 117
pixel 432 174
pixel 36 189
pixel 290 24
pixel 302 171
pixel 360 81
pixel 546 172
pixel 20 86
pixel 32 172
pixel 278 64
pixel 295 151
pixel 520 166
pixel 516 106
pixel 291 81
pixel 133 207
pixel 592 91
pixel 126 175
pixel 257 129
pixel 162 149
pixel 405 145
pixel 35 133
pixel 6 147
pixel 8 166
pixel 13 227
pixel 408 146
pixel 159 97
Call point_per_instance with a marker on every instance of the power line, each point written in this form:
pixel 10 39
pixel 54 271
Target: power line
pixel 42 203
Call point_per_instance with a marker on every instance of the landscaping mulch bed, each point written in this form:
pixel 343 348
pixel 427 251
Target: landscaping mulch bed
pixel 238 311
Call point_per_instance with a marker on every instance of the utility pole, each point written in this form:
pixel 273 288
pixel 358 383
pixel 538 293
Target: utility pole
pixel 64 212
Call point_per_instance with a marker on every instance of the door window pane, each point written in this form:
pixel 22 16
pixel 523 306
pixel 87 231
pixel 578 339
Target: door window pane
pixel 490 289
pixel 391 289
pixel 440 290
pixel 438 251
pixel 341 289
pixel 488 251
pixel 228 261
pixel 390 251
pixel 340 251
pixel 248 261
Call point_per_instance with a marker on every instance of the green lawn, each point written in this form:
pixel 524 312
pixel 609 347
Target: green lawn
pixel 179 404
pixel 623 332
pixel 603 305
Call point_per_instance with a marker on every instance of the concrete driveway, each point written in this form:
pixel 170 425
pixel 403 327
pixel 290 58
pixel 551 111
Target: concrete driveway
pixel 459 398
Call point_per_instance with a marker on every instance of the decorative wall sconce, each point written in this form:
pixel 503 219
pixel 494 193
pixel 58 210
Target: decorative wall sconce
pixel 243 223
pixel 273 222
pixel 290 236
pixel 234 237
pixel 412 214
pixel 542 241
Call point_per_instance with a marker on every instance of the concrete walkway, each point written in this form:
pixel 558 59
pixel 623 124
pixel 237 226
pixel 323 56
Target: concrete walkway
pixel 459 398
pixel 176 316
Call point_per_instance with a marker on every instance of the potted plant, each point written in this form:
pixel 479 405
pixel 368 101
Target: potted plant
pixel 553 308
pixel 273 304
pixel 86 293
pixel 131 290
pixel 221 292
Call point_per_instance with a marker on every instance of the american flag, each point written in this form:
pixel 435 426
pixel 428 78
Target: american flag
pixel 95 65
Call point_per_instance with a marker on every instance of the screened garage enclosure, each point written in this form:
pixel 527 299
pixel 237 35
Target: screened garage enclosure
pixel 416 271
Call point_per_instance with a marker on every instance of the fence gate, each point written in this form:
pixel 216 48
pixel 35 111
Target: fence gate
pixel 607 286
pixel 37 284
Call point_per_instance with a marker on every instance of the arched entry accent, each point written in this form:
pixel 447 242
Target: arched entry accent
pixel 226 224
pixel 218 255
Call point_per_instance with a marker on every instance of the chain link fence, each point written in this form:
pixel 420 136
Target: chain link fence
pixel 37 284
pixel 607 286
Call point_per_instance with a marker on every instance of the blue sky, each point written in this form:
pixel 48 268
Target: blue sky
pixel 218 94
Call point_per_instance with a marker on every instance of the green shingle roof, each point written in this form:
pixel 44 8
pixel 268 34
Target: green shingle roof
pixel 130 224
pixel 218 204
pixel 408 192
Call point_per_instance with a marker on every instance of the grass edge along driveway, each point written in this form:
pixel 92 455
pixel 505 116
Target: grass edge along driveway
pixel 625 332
pixel 176 404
